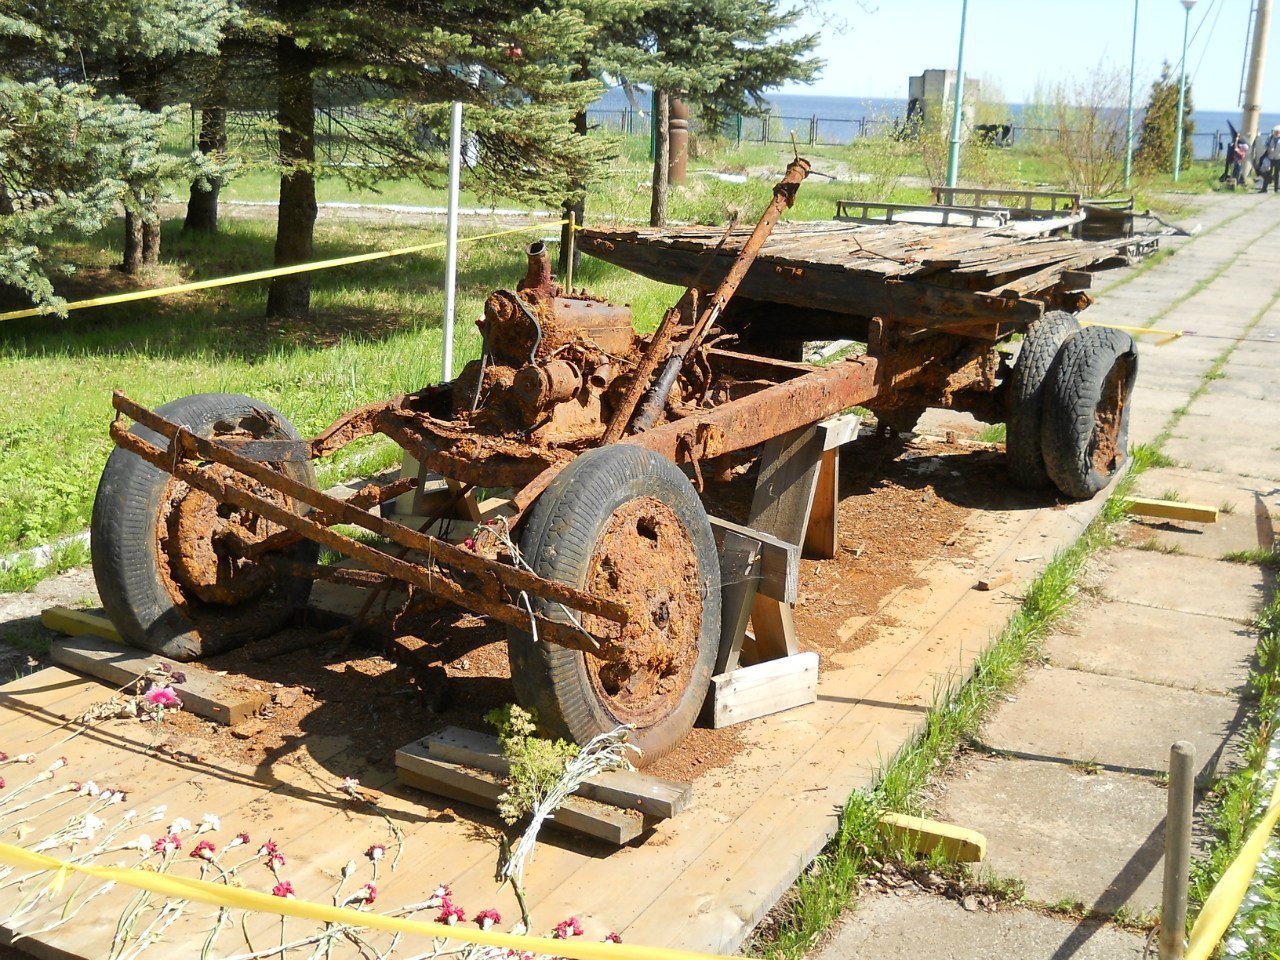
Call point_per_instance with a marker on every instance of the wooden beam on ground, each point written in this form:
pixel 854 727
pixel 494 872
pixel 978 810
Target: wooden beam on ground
pixel 925 836
pixel 416 768
pixel 1171 510
pixel 203 693
pixel 77 623
pixel 625 789
pixel 762 689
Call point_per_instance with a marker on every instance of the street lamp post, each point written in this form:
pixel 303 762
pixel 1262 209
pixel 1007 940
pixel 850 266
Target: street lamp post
pixel 1182 91
pixel 953 161
pixel 1128 140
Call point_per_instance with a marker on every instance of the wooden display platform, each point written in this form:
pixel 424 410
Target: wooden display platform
pixel 699 881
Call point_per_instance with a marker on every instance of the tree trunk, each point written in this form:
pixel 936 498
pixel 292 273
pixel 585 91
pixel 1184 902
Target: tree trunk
pixel 6 201
pixel 661 152
pixel 139 81
pixel 132 261
pixel 576 206
pixel 295 226
pixel 202 206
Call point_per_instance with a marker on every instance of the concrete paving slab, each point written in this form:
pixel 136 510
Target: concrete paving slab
pixel 887 927
pixel 1150 411
pixel 1096 838
pixel 1166 647
pixel 1238 385
pixel 1071 716
pixel 1227 413
pixel 1233 591
pixel 1232 532
pixel 1212 452
pixel 1241 494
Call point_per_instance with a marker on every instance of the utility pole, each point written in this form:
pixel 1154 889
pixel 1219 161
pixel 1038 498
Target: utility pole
pixel 953 159
pixel 1257 60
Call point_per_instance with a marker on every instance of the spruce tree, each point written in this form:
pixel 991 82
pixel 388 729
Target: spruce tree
pixel 1154 153
pixel 71 150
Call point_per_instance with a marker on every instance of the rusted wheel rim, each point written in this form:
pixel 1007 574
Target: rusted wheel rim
pixel 195 535
pixel 645 559
pixel 1109 418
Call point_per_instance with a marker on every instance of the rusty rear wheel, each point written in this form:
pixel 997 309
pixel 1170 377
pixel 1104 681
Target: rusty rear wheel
pixel 623 523
pixel 1085 430
pixel 168 576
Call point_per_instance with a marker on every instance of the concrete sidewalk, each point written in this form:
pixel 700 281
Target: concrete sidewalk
pixel 1067 782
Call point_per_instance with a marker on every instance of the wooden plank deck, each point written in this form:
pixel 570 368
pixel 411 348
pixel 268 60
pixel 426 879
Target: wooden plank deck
pixel 896 270
pixel 699 881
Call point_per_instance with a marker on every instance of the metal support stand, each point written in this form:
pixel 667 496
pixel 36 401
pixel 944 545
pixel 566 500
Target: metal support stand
pixel 762 671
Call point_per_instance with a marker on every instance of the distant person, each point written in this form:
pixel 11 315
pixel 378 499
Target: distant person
pixel 1239 157
pixel 1268 161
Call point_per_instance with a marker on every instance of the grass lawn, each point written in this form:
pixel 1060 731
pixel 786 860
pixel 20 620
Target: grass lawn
pixel 375 331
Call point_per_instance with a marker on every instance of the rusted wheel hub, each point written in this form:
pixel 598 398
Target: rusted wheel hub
pixel 1108 419
pixel 196 534
pixel 646 560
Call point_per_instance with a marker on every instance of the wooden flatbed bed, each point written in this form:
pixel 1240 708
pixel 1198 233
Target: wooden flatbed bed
pixel 965 279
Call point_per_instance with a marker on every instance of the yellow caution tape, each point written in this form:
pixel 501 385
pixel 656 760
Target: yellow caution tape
pixel 1228 893
pixel 220 895
pixel 264 274
pixel 1169 335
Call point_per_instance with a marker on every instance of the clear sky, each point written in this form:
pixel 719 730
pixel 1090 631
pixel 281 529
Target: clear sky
pixel 873 46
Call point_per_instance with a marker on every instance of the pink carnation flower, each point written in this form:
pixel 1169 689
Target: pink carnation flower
pixel 450 913
pixel 162 697
pixel 612 937
pixel 283 889
pixel 167 843
pixel 568 928
pixel 204 850
pixel 375 852
pixel 487 918
pixel 367 894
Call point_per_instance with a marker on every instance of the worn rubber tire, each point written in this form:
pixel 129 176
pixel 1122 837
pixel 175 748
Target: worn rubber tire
pixel 1040 346
pixel 125 542
pixel 1085 428
pixel 560 540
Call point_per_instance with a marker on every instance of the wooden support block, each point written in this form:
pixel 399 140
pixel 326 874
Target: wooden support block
pixel 416 769
pixel 774 625
pixel 840 430
pixel 626 789
pixel 786 482
pixel 993 580
pixel 78 623
pixel 925 836
pixel 762 689
pixel 1171 510
pixel 740 565
pixel 821 535
pixel 779 560
pixel 204 694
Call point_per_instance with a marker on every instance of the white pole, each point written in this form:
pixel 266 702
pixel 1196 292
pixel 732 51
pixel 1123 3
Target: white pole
pixel 451 243
pixel 953 157
pixel 1128 138
pixel 1257 60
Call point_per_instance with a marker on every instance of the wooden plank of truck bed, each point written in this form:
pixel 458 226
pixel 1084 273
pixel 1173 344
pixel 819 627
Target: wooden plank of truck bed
pixel 864 270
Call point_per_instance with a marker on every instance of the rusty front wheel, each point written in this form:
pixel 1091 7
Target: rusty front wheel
pixel 165 556
pixel 1085 428
pixel 623 523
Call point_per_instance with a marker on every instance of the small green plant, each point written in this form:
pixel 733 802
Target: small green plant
pixel 536 764
pixel 1155 545
pixel 1260 556
pixel 992 433
pixel 1173 496
pixel 1227 507
pixel 1089 767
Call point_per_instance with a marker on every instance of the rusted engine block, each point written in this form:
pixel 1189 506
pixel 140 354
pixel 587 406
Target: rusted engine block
pixel 549 362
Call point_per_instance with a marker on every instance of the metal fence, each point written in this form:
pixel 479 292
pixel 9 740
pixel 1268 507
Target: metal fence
pixel 831 131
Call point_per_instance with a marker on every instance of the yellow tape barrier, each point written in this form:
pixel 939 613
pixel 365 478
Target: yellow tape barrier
pixel 1228 893
pixel 1169 335
pixel 220 895
pixel 265 274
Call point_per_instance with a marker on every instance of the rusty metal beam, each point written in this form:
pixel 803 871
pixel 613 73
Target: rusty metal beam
pixel 432 581
pixel 513 577
pixel 772 412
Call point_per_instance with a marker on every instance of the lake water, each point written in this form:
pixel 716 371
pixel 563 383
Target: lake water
pixel 827 119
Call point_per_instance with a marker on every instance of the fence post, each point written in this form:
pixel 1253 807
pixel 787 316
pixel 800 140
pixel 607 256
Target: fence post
pixel 813 129
pixel 1177 850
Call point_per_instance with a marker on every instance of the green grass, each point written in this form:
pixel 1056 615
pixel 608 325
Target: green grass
pixel 1266 557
